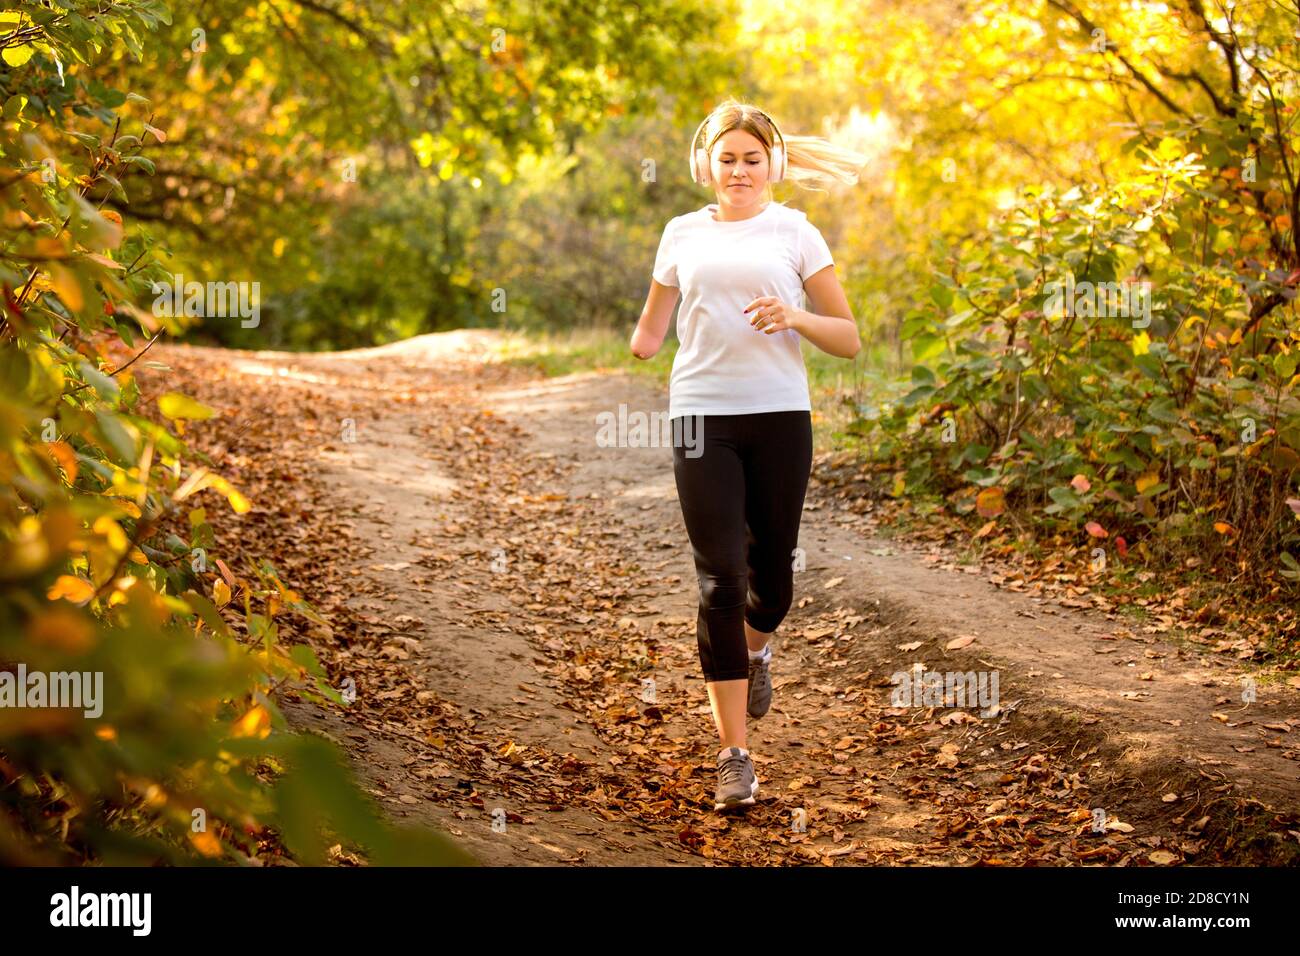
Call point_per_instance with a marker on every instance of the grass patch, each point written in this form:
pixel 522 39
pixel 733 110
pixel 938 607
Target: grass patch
pixel 835 385
pixel 583 349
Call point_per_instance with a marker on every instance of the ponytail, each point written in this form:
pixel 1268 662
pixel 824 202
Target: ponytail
pixel 813 162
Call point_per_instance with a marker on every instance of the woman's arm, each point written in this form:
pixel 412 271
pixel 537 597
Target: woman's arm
pixel 653 324
pixel 832 327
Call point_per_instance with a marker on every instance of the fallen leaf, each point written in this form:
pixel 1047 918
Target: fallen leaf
pixel 991 502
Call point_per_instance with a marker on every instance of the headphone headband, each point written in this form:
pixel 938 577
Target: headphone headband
pixel 699 159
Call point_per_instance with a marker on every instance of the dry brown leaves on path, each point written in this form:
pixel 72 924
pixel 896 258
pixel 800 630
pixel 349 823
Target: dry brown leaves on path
pixel 516 607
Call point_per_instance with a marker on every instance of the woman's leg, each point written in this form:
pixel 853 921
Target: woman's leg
pixel 711 491
pixel 777 463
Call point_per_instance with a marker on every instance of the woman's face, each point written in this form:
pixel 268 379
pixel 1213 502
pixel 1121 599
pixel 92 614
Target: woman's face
pixel 740 168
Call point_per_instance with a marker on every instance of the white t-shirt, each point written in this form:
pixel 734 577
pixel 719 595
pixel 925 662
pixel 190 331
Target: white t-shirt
pixel 723 365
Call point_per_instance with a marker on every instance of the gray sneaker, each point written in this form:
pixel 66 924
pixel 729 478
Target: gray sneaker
pixel 760 686
pixel 737 782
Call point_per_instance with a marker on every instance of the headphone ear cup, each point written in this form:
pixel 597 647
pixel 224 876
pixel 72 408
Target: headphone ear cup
pixel 778 164
pixel 702 173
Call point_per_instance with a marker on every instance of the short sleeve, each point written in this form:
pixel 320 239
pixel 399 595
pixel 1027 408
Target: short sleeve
pixel 665 270
pixel 814 254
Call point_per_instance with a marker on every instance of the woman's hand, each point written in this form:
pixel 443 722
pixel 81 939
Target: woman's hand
pixel 772 315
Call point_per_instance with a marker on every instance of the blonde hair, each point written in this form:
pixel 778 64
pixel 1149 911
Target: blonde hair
pixel 812 162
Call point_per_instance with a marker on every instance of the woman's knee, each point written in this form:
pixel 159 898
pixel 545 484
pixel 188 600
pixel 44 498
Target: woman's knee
pixel 722 589
pixel 770 594
pixel 767 609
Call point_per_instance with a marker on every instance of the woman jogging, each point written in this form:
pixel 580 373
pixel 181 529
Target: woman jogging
pixel 742 265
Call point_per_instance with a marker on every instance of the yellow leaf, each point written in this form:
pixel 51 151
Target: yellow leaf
pixel 65 457
pixel 237 501
pixel 130 508
pixel 18 55
pixel 1141 343
pixel 206 844
pixel 71 588
pixel 175 405
pixel 64 282
pixel 255 723
pixel 197 481
pixel 1171 147
pixel 1149 480
pixel 112 532
pixel 51 247
pixel 104 261
pixel 221 593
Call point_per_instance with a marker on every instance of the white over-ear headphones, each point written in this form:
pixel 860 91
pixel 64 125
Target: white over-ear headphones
pixel 699 158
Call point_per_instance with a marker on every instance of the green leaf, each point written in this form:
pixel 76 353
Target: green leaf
pixel 116 436
pixel 926 347
pixel 143 162
pixel 1285 365
pixel 941 294
pixel 206 610
pixel 917 394
pixel 105 385
pixel 922 375
pixel 1064 496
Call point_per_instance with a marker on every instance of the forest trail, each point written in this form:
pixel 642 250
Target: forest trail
pixel 500 586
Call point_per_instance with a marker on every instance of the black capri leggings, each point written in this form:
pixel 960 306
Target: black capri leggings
pixel 741 481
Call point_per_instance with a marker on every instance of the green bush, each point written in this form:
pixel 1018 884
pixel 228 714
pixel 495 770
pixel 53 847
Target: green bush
pixel 1044 382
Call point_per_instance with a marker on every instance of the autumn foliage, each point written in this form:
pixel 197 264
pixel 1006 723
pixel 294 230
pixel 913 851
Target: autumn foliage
pixel 107 558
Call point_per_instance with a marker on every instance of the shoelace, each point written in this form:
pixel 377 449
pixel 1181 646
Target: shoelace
pixel 732 768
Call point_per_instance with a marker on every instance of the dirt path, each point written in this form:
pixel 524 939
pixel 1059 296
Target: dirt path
pixel 503 588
